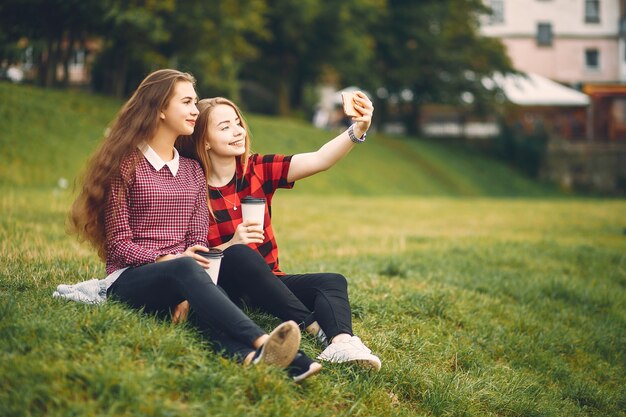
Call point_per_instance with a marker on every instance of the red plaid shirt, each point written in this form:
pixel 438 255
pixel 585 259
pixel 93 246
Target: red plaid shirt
pixel 159 214
pixel 265 174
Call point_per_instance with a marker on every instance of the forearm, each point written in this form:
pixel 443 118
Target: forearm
pixel 306 164
pixel 226 245
pixel 334 150
pixel 130 254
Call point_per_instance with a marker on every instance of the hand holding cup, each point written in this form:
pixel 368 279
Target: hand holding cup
pixel 253 208
pixel 194 252
pixel 247 232
pixel 214 256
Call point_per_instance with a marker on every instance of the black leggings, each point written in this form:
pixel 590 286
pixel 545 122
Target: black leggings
pixel 304 298
pixel 159 287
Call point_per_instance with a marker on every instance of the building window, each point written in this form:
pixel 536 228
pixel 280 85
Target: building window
pixel 592 59
pixel 544 34
pixel 497 11
pixel 592 11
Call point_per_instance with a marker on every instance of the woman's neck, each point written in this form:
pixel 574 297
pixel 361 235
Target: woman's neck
pixel 163 144
pixel 222 170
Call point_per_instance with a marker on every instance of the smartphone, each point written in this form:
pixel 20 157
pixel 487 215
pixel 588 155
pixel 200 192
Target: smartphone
pixel 348 105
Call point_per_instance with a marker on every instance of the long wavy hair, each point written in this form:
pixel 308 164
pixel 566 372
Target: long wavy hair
pixel 137 121
pixel 194 145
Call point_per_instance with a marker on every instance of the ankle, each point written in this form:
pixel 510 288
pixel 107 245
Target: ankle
pixel 248 359
pixel 260 341
pixel 313 328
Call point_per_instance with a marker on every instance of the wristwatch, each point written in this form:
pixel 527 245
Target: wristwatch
pixel 353 137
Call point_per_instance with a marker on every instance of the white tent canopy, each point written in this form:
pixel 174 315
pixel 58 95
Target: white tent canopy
pixel 535 90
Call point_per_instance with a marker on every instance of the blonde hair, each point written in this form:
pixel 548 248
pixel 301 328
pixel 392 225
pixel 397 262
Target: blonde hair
pixel 136 121
pixel 194 146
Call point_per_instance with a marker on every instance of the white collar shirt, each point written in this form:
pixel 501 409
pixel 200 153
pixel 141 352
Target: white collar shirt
pixel 155 160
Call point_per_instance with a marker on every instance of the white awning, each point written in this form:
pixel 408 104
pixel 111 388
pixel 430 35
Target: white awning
pixel 535 90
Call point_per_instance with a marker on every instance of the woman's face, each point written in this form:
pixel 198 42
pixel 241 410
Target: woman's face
pixel 181 112
pixel 226 136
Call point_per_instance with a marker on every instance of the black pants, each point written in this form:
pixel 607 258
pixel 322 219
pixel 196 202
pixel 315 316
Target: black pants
pixel 160 287
pixel 304 298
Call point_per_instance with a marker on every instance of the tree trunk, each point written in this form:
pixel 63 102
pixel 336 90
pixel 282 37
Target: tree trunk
pixel 45 67
pixel 53 62
pixel 119 70
pixel 284 106
pixel 412 121
pixel 41 63
pixel 381 113
pixel 67 57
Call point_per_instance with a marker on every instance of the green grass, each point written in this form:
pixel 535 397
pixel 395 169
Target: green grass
pixel 484 293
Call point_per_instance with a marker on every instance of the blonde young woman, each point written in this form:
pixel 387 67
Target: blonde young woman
pixel 250 270
pixel 143 207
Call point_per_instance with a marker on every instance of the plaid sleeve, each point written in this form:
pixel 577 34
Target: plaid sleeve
pixel 121 250
pixel 272 171
pixel 199 223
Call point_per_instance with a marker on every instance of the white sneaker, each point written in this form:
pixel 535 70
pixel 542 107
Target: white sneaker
pixel 352 350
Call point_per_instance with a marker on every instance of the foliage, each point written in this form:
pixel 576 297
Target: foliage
pixel 433 48
pixel 526 151
pixel 271 52
pixel 46 25
pixel 133 31
pixel 307 36
pixel 213 41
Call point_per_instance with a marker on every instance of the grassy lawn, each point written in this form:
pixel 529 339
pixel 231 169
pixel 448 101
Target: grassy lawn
pixel 484 293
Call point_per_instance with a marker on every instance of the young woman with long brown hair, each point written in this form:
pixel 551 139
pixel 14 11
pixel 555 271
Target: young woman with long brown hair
pixel 250 270
pixel 144 208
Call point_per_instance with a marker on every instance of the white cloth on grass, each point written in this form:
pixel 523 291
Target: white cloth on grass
pixel 88 292
pixel 93 291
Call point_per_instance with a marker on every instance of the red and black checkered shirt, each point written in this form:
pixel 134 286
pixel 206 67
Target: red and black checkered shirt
pixel 159 214
pixel 264 175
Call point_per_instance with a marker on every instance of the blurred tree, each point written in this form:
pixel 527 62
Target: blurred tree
pixel 212 41
pixel 305 37
pixel 132 32
pixel 51 28
pixel 433 49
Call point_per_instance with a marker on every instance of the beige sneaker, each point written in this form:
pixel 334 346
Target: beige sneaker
pixel 281 347
pixel 352 350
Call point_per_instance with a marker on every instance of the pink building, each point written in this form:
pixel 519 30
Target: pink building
pixel 581 43
pixel 570 41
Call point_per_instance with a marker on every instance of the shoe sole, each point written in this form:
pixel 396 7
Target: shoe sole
pixel 282 345
pixel 314 369
pixel 370 364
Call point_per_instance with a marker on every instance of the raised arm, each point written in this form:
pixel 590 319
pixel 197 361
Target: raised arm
pixel 306 164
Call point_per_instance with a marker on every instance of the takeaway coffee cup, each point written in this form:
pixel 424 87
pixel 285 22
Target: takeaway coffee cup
pixel 253 208
pixel 214 255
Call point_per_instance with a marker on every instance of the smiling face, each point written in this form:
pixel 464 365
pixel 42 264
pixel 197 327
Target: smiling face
pixel 226 134
pixel 180 114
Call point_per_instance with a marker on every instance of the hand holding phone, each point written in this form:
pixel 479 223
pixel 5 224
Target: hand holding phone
pixel 348 105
